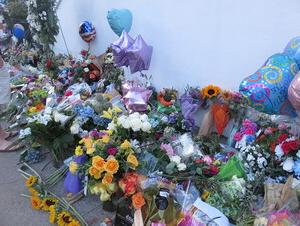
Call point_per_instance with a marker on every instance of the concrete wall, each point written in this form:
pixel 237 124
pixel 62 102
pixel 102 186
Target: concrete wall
pixel 195 42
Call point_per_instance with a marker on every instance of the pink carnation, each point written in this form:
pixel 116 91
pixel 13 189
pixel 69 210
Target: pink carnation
pixel 112 151
pixel 238 136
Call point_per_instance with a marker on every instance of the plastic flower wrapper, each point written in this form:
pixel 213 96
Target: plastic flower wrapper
pixel 232 168
pixel 135 96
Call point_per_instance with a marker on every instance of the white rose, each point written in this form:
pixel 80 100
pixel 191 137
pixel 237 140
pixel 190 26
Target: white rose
pixel 181 167
pixel 288 165
pixel 146 126
pixel 135 124
pixel 75 128
pixel 175 159
pixel 144 117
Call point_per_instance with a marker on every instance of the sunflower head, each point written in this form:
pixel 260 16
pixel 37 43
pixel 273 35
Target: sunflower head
pixel 74 223
pixel 30 181
pixel 64 218
pixel 52 214
pixel 48 202
pixel 33 192
pixel 210 91
pixel 36 203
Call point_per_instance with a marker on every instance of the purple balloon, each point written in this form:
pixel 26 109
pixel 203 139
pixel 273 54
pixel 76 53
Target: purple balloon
pixel 139 55
pixel 119 48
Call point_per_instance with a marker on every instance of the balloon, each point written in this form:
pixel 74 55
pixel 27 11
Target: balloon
pixel 87 31
pixel 293 49
pixel 119 20
pixel 119 48
pixel 135 54
pixel 267 89
pixel 18 31
pixel 139 55
pixel 294 92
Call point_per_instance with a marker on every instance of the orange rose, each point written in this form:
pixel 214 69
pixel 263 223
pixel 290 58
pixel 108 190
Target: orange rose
pixel 93 171
pixel 138 200
pixel 132 160
pixel 107 179
pixel 40 107
pixel 98 163
pixel 111 166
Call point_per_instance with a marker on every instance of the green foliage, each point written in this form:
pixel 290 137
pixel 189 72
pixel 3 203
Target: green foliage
pixel 17 13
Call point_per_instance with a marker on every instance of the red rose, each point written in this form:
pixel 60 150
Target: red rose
pixel 68 93
pixel 282 138
pixel 212 170
pixel 285 147
pixel 294 144
pixel 48 63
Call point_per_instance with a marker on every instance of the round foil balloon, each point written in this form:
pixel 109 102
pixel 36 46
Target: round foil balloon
pixel 267 89
pixel 293 49
pixel 119 20
pixel 18 31
pixel 87 31
pixel 294 92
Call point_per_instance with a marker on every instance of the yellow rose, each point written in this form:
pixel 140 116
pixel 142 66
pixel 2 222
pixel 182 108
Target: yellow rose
pixel 107 179
pixel 112 166
pixel 132 160
pixel 98 162
pixel 90 151
pixel 105 139
pixel 73 167
pixel 126 145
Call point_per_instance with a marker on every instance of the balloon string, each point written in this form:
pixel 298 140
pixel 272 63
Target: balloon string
pixel 63 36
pixel 89 47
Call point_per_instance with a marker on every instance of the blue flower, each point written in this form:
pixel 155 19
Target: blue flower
pixel 101 121
pixel 84 111
pixel 250 139
pixel 296 167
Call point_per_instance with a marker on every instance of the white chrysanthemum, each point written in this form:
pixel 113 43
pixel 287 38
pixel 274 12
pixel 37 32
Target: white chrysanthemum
pixel 181 167
pixel 146 126
pixel 175 159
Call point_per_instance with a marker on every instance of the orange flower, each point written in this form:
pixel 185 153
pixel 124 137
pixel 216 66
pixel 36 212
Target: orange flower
pixel 40 107
pixel 93 171
pixel 107 179
pixel 98 163
pixel 138 200
pixel 112 166
pixel 160 98
pixel 226 95
pixel 36 202
pixel 132 160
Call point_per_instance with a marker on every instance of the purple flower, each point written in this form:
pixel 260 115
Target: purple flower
pixel 167 148
pixel 94 133
pixel 238 136
pixel 112 151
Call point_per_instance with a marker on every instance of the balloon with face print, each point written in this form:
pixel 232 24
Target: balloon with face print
pixel 267 89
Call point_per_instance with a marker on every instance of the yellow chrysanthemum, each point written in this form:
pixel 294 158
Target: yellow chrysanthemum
pixel 111 166
pixel 93 171
pixel 36 202
pixel 33 192
pixel 125 145
pixel 105 139
pixel 48 202
pixel 78 151
pixel 73 167
pixel 52 214
pixel 98 162
pixel 132 160
pixel 74 223
pixel 64 218
pixel 107 179
pixel 31 181
pixel 211 91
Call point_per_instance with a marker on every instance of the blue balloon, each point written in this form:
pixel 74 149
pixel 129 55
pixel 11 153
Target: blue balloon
pixel 293 49
pixel 18 31
pixel 267 89
pixel 119 20
pixel 87 31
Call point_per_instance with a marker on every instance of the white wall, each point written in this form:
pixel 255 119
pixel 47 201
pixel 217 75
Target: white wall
pixel 195 42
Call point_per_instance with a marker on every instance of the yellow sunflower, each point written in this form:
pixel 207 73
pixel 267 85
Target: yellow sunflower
pixel 33 192
pixel 74 223
pixel 211 91
pixel 52 214
pixel 36 202
pixel 48 202
pixel 30 181
pixel 64 218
